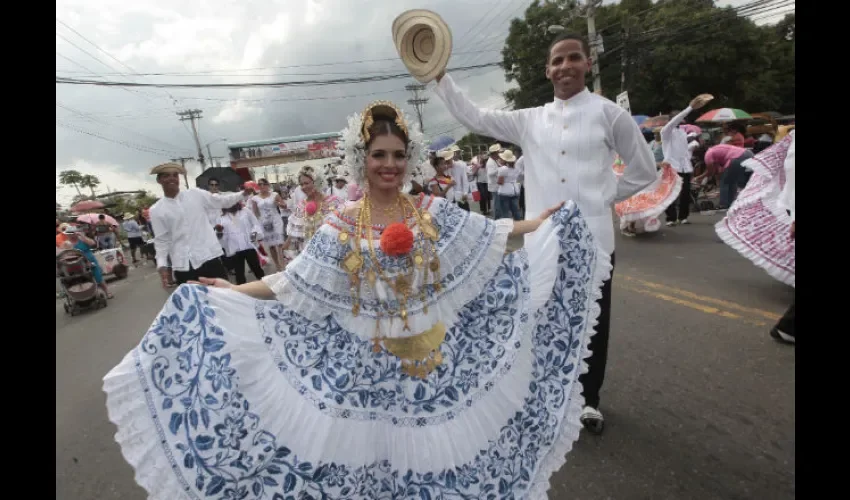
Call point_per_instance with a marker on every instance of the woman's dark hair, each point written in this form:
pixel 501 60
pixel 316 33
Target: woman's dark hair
pixel 385 126
pixel 262 180
pixel 307 175
pixel 585 47
pixel 738 127
pixel 232 210
pixel 436 161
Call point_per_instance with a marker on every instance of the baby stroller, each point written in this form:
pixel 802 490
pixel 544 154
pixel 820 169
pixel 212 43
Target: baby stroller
pixel 75 275
pixel 705 195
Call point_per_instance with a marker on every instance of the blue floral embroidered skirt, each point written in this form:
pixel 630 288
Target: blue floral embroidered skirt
pixel 228 397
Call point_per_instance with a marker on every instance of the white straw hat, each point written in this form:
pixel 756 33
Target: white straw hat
pixel 424 43
pixel 508 156
pixel 495 148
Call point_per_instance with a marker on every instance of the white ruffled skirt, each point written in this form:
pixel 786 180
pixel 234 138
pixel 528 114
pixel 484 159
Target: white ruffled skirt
pixel 231 397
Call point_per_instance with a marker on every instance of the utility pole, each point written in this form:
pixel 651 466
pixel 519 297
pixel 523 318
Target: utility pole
pixel 594 44
pixel 417 102
pixel 183 162
pixel 191 115
pixel 623 60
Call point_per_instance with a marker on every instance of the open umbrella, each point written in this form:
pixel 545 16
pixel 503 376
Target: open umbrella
pixel 639 119
pixel 441 142
pixel 86 205
pixel 93 218
pixel 724 115
pixel 688 128
pixel 655 121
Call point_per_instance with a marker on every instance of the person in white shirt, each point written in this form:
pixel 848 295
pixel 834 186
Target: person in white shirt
pixel 520 166
pixel 478 170
pixel 784 330
pixel 339 189
pixel 457 192
pixel 507 180
pixel 182 232
pixel 674 143
pixel 441 184
pixel 571 144
pixel 463 190
pixel 492 169
pixel 240 231
pixel 214 187
pixel 134 235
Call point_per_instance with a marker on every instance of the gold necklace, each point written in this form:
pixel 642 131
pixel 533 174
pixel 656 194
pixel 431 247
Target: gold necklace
pixel 313 220
pixel 390 210
pixel 419 353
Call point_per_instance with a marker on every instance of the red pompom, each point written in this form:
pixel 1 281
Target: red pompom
pixel 311 208
pixel 397 240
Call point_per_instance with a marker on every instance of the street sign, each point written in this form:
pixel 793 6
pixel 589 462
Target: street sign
pixel 623 102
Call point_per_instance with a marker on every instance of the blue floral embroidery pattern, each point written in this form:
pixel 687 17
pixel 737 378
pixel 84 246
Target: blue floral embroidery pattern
pixel 337 371
pixel 219 449
pixel 326 251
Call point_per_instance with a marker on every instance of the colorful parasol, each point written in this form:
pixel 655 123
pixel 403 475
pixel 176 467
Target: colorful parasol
pixel 639 119
pixel 724 115
pixel 93 219
pixel 655 121
pixel 690 129
pixel 86 205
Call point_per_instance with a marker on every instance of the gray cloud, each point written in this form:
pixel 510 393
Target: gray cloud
pixel 164 36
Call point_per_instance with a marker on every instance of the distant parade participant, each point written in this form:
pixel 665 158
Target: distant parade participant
pixel 182 230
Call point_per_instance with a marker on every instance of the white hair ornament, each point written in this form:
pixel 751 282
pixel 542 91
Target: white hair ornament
pixel 355 136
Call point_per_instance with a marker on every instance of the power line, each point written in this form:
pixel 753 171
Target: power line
pixel 299 83
pixel 236 71
pixel 108 124
pixel 138 147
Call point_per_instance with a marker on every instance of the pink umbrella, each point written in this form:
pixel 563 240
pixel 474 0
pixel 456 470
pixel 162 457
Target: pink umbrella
pixel 93 219
pixel 688 128
pixel 86 205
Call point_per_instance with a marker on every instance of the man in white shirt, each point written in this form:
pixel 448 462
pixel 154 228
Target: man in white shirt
pixel 478 172
pixel 182 229
pixel 520 166
pixel 339 188
pixel 674 144
pixel 784 330
pixel 459 193
pixel 213 214
pixel 570 146
pixel 492 167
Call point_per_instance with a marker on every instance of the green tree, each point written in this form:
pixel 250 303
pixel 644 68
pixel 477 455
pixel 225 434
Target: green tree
pixel 90 181
pixel 672 51
pixel 71 178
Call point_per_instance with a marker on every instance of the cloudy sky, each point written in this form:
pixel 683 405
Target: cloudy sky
pixel 118 133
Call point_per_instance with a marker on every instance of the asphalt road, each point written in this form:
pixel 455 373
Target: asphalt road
pixel 699 400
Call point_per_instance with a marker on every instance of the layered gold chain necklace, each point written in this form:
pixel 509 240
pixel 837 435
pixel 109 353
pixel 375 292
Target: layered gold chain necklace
pixel 419 353
pixel 314 220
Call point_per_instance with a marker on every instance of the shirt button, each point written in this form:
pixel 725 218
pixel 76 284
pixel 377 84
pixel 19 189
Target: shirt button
pixel 563 180
pixel 563 152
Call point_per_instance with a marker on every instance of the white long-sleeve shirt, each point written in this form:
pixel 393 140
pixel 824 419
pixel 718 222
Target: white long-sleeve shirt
pixel 674 143
pixel 492 174
pixel 237 229
pixel 461 188
pixel 787 198
pixel 520 166
pixel 570 148
pixel 182 228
